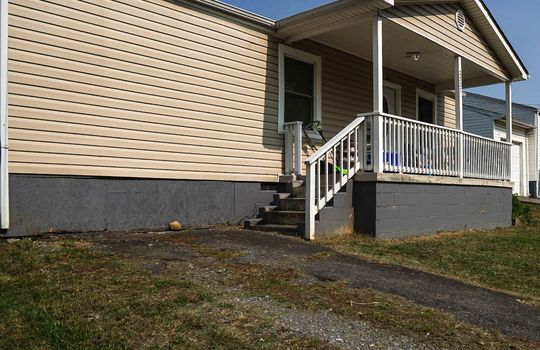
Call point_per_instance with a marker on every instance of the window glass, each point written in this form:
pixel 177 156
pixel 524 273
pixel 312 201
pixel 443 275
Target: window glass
pixel 426 110
pixel 299 90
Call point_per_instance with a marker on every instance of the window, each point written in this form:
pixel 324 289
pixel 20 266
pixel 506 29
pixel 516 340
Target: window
pixel 299 86
pixel 426 106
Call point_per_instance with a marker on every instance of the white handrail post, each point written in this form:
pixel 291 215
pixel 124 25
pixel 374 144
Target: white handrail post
pixel 377 132
pixel 458 81
pixel 310 202
pixel 376 143
pixel 509 122
pixel 298 147
pixel 288 150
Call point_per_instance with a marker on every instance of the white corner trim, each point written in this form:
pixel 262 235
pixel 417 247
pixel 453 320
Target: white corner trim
pixel 287 51
pixel 396 87
pixel 4 184
pixel 428 96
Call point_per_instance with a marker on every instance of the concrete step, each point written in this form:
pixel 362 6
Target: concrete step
pixel 283 217
pixel 284 229
pixel 294 204
pixel 266 209
pixel 250 223
pixel 299 192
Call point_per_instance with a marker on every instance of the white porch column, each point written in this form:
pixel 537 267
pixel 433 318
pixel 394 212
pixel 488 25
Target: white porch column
pixel 508 112
pixel 4 184
pixel 458 88
pixel 509 124
pixel 377 95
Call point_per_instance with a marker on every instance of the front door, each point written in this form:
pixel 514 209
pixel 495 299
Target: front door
pixel 390 100
pixel 426 110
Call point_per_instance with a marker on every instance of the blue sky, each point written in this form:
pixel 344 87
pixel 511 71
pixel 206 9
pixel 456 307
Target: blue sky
pixel 518 19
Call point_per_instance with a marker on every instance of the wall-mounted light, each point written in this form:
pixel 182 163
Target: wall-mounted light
pixel 415 55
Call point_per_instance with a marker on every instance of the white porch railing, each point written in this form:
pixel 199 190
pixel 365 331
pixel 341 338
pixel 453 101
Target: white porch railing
pixel 382 142
pixel 486 158
pixel 331 167
pixel 293 148
pixel 413 147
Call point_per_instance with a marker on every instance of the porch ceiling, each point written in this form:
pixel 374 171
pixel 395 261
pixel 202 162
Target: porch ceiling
pixel 435 65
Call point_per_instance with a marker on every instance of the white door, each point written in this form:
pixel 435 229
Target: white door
pixel 517 166
pixel 390 97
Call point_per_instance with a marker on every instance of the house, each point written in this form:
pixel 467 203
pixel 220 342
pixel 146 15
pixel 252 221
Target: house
pixel 486 116
pixel 119 115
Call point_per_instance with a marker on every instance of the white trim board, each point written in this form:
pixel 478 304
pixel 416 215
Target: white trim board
pixel 4 172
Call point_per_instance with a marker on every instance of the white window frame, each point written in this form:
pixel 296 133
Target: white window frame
pixel 396 87
pixel 287 51
pixel 428 96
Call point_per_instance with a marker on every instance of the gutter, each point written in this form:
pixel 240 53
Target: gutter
pixel 237 12
pixel 4 180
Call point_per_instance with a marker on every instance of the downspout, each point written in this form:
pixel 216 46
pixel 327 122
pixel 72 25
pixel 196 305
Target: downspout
pixel 537 154
pixel 4 181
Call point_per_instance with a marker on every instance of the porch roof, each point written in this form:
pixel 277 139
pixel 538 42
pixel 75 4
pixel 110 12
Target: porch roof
pixel 343 24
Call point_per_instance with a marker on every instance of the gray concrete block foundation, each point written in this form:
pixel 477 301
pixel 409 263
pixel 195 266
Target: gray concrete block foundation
pixel 40 204
pixel 394 210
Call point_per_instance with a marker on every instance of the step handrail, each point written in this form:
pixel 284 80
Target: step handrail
pixel 336 139
pixel 336 162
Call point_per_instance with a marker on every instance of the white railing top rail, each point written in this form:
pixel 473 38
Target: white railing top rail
pixel 410 120
pixel 334 140
pixel 486 138
pixel 435 126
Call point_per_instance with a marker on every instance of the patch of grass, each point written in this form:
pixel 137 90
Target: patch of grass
pixel 501 259
pixel 63 295
pixel 520 211
pixel 387 311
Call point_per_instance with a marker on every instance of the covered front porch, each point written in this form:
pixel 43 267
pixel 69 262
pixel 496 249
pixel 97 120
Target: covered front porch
pixel 421 42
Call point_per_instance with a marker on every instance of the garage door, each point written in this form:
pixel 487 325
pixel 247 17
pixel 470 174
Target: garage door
pixel 517 166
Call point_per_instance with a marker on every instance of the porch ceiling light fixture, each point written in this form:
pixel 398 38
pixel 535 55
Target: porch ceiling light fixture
pixel 415 55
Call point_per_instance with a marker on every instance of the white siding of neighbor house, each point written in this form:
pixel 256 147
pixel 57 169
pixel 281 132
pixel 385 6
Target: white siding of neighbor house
pixel 519 137
pixel 478 121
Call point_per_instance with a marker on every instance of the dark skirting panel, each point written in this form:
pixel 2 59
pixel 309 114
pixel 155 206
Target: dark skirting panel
pixel 40 204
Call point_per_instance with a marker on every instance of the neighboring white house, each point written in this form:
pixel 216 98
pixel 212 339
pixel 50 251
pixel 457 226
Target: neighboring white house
pixel 485 116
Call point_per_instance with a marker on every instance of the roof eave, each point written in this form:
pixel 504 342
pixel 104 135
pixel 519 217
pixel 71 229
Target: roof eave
pixel 237 12
pixel 517 60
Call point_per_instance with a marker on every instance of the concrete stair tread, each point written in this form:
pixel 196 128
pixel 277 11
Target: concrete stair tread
pixel 277 228
pixel 268 208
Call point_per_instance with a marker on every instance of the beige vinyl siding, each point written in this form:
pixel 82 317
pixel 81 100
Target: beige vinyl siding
pixel 140 89
pixel 437 23
pixel 347 88
pixel 447 110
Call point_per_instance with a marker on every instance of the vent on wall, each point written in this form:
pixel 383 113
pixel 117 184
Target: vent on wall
pixel 460 20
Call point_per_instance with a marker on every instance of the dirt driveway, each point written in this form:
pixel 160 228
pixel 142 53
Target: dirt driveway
pixel 207 254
